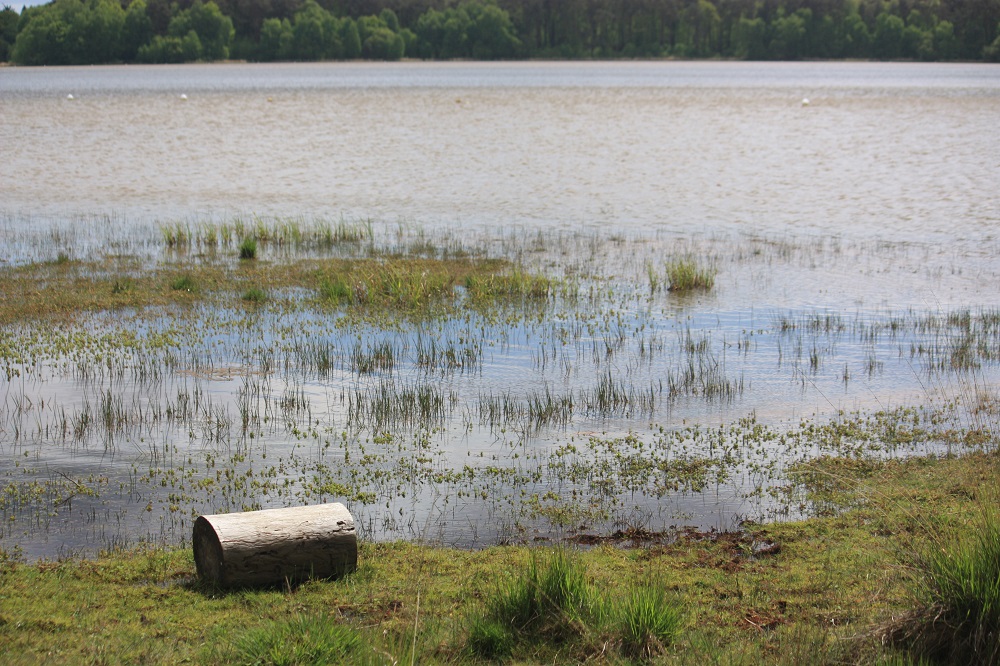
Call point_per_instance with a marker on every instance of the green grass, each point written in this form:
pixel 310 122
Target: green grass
pixel 335 290
pixel 381 284
pixel 648 622
pixel 550 599
pixel 686 275
pixel 955 580
pixel 551 603
pixel 254 295
pixel 184 283
pixel 516 284
pixel 248 248
pixel 300 641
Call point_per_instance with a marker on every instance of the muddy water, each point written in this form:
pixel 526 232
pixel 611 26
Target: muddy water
pixel 881 149
pixel 851 235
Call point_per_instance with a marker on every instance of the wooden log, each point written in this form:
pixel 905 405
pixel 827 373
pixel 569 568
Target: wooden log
pixel 275 546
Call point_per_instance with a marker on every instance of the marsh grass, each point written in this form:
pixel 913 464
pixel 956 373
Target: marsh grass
pixel 381 284
pixel 122 286
pixel 184 283
pixel 255 295
pixel 550 599
pixel 516 284
pixel 335 290
pixel 648 621
pixel 550 603
pixel 248 248
pixel 818 601
pixel 299 233
pixel 955 580
pixel 685 275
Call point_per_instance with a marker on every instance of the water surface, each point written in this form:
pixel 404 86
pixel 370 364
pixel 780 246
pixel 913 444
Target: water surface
pixel 853 237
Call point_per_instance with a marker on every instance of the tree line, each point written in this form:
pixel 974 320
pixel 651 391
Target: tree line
pixel 70 32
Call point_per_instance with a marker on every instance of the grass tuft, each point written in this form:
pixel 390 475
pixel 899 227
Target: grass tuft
pixel 956 583
pixel 489 638
pixel 248 248
pixel 302 640
pixel 514 285
pixel 686 275
pixel 335 290
pixel 648 622
pixel 549 602
pixel 255 295
pixel 184 283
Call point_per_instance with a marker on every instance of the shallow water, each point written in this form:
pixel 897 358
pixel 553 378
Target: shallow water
pixel 854 242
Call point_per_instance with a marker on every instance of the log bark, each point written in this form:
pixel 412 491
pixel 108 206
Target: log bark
pixel 275 546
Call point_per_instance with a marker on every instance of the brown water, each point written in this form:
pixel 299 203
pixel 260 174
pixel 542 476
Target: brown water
pixel 874 206
pixel 881 150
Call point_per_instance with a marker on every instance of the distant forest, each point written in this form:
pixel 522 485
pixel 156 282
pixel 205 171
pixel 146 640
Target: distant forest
pixel 77 32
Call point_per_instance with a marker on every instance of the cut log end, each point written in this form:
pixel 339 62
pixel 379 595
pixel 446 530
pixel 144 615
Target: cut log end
pixel 275 546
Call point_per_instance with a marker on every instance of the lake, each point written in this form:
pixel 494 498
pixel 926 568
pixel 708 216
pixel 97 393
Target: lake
pixel 848 211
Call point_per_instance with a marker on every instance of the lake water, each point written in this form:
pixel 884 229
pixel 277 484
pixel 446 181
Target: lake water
pixel 851 234
pixel 882 149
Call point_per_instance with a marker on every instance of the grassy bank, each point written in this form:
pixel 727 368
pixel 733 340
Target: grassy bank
pixel 855 586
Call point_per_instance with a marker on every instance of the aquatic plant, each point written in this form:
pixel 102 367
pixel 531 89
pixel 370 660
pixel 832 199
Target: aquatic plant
pixel 184 283
pixel 335 290
pixel 687 275
pixel 248 248
pixel 254 295
pixel 516 284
